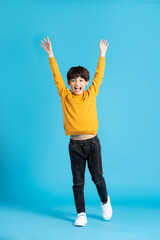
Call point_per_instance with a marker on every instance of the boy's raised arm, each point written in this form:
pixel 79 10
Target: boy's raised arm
pixel 58 80
pixel 97 80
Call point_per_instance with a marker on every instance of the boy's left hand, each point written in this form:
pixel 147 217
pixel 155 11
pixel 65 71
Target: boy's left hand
pixel 103 47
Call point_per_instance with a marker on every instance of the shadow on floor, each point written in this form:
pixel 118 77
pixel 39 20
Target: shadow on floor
pixel 66 213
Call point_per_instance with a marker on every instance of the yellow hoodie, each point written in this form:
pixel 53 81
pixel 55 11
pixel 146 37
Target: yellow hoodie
pixel 79 111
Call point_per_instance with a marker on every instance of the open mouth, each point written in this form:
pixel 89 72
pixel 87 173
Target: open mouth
pixel 77 89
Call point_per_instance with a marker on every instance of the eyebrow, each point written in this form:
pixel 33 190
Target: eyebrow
pixel 79 79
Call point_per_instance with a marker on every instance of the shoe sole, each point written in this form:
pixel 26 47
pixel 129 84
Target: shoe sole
pixel 107 219
pixel 80 225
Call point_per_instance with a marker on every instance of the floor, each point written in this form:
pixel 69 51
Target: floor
pixel 56 223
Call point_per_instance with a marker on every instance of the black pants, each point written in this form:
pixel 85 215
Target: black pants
pixel 80 151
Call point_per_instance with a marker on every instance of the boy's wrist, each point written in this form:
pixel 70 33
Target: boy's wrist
pixel 102 54
pixel 50 55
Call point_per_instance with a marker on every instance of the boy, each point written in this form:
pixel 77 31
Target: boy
pixel 81 123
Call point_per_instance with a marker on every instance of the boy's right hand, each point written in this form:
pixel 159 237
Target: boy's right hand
pixel 47 47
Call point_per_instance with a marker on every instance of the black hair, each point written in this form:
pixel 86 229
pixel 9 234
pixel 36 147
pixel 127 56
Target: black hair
pixel 78 71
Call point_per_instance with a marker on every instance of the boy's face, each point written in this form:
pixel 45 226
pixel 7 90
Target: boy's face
pixel 78 85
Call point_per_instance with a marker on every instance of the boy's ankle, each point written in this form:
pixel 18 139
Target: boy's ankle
pixel 81 213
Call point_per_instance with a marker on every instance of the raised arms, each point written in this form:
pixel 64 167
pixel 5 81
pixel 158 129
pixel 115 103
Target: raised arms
pixel 97 80
pixel 58 80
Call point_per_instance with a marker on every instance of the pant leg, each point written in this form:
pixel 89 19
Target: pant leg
pixel 96 170
pixel 78 163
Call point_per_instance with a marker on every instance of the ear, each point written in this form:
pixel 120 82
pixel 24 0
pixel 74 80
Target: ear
pixel 68 83
pixel 87 82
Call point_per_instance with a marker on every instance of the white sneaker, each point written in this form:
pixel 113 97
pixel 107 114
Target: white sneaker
pixel 106 209
pixel 81 219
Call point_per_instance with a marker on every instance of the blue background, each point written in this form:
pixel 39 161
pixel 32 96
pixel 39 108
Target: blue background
pixel 34 158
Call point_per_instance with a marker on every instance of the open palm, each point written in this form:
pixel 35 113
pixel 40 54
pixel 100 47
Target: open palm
pixel 102 45
pixel 47 45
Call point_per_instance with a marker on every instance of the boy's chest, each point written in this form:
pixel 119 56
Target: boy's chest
pixel 79 106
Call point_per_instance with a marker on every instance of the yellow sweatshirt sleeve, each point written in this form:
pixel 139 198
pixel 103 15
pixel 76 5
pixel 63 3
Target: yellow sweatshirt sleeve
pixel 58 80
pixel 97 80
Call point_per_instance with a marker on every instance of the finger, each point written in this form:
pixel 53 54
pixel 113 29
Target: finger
pixel 48 39
pixel 44 39
pixel 42 45
pixel 42 42
pixel 101 43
